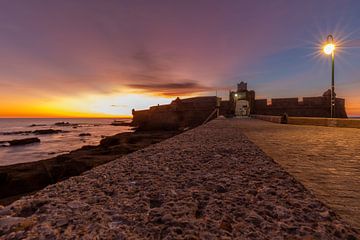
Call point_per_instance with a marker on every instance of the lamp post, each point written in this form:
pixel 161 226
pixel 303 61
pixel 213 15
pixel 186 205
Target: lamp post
pixel 329 48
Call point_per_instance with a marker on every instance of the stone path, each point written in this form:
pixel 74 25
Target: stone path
pixel 325 159
pixel 207 183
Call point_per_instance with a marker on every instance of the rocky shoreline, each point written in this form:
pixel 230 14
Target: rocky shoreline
pixel 210 182
pixel 24 178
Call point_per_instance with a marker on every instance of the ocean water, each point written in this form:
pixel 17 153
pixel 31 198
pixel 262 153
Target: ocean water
pixel 52 145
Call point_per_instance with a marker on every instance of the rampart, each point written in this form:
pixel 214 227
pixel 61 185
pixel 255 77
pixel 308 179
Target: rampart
pixel 180 113
pixel 308 107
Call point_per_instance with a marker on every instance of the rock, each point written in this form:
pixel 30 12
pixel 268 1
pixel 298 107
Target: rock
pixel 19 179
pixel 220 189
pixel 325 214
pixel 8 223
pixel 254 219
pixel 76 204
pixel 37 125
pixel 84 134
pixel 62 124
pixel 61 222
pixel 4 144
pixel 120 123
pixel 226 224
pixel 17 133
pixel 46 131
pixel 24 141
pixel 5 211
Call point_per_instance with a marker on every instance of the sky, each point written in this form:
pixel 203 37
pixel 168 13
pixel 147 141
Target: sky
pixel 88 58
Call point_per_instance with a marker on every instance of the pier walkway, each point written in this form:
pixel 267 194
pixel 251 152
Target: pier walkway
pixel 210 182
pixel 325 159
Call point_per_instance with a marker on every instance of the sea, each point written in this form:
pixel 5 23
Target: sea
pixel 52 145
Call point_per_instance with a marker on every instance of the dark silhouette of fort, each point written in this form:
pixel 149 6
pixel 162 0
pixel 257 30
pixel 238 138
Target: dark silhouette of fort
pixel 190 112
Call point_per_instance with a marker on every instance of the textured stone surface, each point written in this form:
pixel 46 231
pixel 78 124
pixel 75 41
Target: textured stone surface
pixel 325 159
pixel 208 183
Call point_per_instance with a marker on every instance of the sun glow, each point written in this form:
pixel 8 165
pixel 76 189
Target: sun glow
pixel 87 105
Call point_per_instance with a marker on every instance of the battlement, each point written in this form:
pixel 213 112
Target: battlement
pixel 300 107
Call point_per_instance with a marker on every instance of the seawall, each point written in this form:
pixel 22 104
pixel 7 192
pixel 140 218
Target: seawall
pixel 209 182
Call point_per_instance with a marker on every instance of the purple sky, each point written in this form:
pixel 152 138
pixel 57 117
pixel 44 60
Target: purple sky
pixel 58 50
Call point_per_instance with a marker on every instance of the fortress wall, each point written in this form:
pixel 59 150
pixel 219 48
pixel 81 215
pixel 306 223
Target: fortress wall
pixel 180 113
pixel 314 101
pixel 284 102
pixel 260 104
pixel 225 108
pixel 309 107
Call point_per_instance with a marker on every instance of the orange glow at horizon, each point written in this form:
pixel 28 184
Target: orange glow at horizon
pixel 86 105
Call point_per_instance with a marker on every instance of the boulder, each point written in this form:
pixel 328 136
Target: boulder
pixel 46 131
pixel 24 141
pixel 84 134
pixel 62 124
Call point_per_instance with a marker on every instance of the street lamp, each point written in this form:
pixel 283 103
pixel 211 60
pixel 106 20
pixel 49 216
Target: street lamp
pixel 329 48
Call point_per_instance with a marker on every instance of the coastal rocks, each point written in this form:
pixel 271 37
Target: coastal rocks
pixel 46 131
pixel 120 123
pixel 37 125
pixel 24 141
pixel 63 124
pixel 23 178
pixel 36 132
pixel 16 133
pixel 84 134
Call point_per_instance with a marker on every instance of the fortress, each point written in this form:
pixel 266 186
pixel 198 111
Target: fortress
pixel 190 112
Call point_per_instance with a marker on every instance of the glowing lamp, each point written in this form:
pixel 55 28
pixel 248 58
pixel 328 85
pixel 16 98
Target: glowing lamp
pixel 329 48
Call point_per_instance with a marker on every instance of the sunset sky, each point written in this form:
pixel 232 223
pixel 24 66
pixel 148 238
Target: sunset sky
pixel 85 58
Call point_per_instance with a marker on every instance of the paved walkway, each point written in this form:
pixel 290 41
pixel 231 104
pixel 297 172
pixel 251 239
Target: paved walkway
pixel 325 159
pixel 208 183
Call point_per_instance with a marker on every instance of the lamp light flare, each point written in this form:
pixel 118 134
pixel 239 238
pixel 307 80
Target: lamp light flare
pixel 329 48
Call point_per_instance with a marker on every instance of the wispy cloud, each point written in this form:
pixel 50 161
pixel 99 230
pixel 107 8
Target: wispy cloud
pixel 182 87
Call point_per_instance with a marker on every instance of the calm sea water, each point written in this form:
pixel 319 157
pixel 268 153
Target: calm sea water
pixel 53 144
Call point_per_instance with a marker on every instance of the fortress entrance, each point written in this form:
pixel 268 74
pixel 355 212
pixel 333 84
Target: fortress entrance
pixel 242 108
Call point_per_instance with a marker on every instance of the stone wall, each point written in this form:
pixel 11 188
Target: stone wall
pixel 180 113
pixel 308 107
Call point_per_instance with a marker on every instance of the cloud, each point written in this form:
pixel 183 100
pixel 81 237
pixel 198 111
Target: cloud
pixel 182 87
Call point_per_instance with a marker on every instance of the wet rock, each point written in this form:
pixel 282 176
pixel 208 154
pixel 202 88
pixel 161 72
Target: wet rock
pixel 120 123
pixel 46 131
pixel 63 124
pixel 24 141
pixel 84 134
pixel 16 133
pixel 37 125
